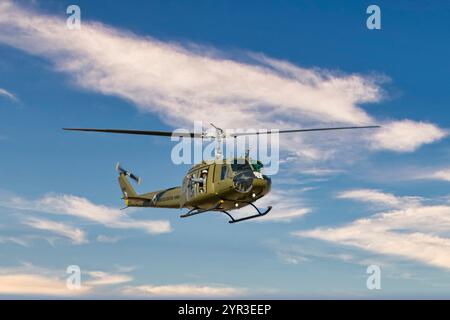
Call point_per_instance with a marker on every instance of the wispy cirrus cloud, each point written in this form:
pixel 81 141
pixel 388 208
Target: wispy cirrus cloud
pixel 183 83
pixel 417 232
pixel 83 209
pixel 184 290
pixel 107 239
pixel 100 278
pixel 379 198
pixel 76 235
pixel 5 93
pixel 22 241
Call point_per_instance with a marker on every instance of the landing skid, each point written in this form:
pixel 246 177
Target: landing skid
pixel 196 211
pixel 259 214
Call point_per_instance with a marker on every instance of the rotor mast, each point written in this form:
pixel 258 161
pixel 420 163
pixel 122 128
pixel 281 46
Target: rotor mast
pixel 219 136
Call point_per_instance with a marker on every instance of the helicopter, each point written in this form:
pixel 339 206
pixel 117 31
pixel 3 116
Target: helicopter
pixel 210 186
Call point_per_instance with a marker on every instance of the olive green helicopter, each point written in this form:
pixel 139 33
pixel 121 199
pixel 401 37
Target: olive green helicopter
pixel 210 186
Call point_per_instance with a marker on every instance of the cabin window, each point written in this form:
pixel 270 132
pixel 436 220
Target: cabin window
pixel 223 173
pixel 191 187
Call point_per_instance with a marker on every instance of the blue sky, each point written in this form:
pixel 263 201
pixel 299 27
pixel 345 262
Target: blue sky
pixel 341 201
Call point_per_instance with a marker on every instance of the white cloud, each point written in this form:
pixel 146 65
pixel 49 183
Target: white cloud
pixel 440 175
pixel 406 135
pixel 157 75
pixel 100 278
pixel 184 290
pixel 321 172
pixel 25 242
pixel 285 209
pixel 77 235
pixel 84 209
pixel 31 281
pixel 29 284
pixel 379 198
pixel 413 232
pixel 7 94
pixel 183 83
pixel 299 254
pixel 107 239
pixel 124 269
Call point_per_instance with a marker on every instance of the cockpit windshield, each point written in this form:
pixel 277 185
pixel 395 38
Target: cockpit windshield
pixel 239 167
pixel 242 176
pixel 253 166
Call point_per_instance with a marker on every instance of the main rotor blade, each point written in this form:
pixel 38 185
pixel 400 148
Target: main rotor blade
pixel 200 135
pixel 301 130
pixel 140 132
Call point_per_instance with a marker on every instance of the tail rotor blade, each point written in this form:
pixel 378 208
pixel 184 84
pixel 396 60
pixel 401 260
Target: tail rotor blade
pixel 128 174
pixel 135 178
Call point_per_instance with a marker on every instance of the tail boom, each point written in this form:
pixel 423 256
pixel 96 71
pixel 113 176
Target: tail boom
pixel 168 198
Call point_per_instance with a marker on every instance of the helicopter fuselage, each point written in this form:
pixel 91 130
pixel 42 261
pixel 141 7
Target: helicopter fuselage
pixel 221 186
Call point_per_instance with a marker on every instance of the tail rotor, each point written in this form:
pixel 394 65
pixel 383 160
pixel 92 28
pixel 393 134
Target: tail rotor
pixel 132 176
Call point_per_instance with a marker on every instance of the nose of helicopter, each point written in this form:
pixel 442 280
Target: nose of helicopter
pixel 262 186
pixel 247 182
